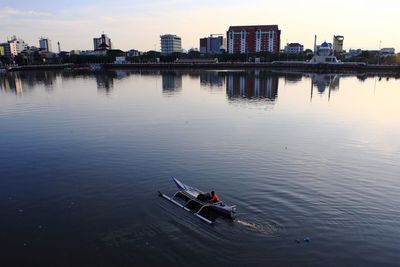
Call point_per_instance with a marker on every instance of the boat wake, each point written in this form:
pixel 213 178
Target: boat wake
pixel 265 229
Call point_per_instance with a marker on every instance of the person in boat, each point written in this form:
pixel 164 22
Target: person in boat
pixel 214 197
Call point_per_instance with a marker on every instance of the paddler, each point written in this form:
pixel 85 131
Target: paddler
pixel 214 197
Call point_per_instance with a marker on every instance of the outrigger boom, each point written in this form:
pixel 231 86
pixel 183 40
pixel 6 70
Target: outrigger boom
pixel 190 194
pixel 184 207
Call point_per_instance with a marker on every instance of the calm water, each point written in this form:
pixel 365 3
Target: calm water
pixel 83 155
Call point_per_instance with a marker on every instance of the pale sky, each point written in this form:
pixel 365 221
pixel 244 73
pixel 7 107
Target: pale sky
pixel 138 24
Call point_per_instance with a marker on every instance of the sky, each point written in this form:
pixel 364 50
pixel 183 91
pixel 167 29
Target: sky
pixel 133 24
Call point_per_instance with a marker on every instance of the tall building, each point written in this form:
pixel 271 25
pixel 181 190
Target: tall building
pixel 213 44
pixel 12 47
pixel 102 43
pixel 45 44
pixel 254 39
pixel 170 43
pixel 8 49
pixel 294 49
pixel 19 44
pixel 338 43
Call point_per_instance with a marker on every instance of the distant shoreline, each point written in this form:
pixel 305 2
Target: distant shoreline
pixel 300 66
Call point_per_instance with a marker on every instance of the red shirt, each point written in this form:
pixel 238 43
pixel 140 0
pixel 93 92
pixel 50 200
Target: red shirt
pixel 214 199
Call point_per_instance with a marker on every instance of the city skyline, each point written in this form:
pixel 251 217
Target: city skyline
pixel 138 25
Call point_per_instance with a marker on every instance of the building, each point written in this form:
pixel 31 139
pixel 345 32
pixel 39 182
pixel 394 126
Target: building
pixel 133 53
pixel 18 44
pixel 170 43
pixel 294 49
pixel 353 53
pixel 387 52
pixel 102 43
pixel 254 39
pixel 45 44
pixel 214 44
pixel 338 44
pixel 5 49
pixel 323 54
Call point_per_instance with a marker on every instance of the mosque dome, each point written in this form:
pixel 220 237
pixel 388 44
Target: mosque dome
pixel 324 45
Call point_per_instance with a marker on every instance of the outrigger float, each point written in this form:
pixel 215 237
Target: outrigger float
pixel 188 195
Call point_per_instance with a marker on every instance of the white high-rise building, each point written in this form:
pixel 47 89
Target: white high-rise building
pixel 16 45
pixel 170 43
pixel 45 44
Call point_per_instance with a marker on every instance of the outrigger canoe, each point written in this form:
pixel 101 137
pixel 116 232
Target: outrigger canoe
pixel 186 198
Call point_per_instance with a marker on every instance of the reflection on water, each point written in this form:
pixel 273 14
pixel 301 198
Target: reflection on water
pixel 171 82
pixel 105 83
pixel 240 85
pixel 18 82
pixel 252 85
pixel 212 79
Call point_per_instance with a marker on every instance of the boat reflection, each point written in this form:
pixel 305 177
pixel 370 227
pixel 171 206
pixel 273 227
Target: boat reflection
pixel 252 85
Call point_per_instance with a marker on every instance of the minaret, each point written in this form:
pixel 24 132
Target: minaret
pixel 315 45
pixel 59 47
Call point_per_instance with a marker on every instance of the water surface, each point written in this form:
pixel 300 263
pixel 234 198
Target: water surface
pixel 83 155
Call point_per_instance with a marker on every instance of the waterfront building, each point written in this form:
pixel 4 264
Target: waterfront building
pixel 45 44
pixel 193 50
pixel 102 43
pixel 133 53
pixel 17 45
pixel 353 53
pixel 253 39
pixel 12 47
pixel 170 43
pixel 388 52
pixel 294 49
pixel 338 41
pixel 323 53
pixel 5 49
pixel 214 44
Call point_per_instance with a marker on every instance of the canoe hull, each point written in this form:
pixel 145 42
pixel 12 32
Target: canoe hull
pixel 192 193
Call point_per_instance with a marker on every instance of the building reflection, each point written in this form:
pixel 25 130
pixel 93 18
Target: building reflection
pixel 254 85
pixel 105 83
pixel 17 82
pixel 324 82
pixel 212 79
pixel 171 82
pixel 11 83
